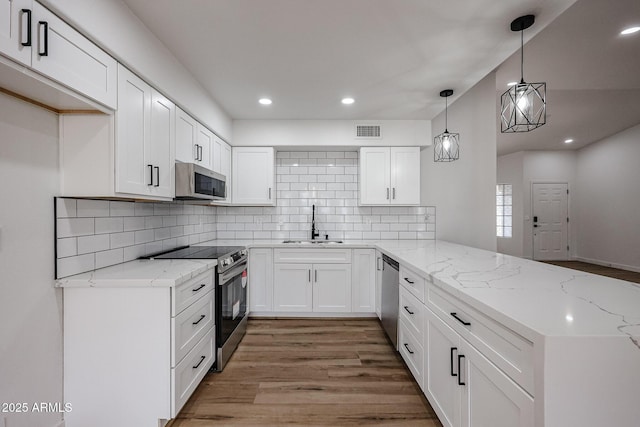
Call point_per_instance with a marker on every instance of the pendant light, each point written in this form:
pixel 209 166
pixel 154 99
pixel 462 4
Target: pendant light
pixel 446 147
pixel 523 105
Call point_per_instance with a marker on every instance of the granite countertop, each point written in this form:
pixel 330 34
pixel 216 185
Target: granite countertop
pixel 531 298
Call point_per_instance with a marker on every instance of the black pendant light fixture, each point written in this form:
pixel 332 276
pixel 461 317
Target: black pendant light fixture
pixel 523 105
pixel 446 147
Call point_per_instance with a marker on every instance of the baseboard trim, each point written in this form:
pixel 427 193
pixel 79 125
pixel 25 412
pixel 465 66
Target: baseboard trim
pixel 302 315
pixel 608 264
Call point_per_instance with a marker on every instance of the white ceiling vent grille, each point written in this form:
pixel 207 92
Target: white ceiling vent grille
pixel 368 131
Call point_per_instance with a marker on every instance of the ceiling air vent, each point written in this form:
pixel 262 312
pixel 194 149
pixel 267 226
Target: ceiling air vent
pixel 369 131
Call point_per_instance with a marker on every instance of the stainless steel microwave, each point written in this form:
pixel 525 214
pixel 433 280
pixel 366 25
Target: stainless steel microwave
pixel 193 182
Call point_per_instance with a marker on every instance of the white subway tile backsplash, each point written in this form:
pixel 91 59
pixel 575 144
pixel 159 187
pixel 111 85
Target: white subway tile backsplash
pixel 92 208
pixel 121 240
pixel 65 208
pixel 95 243
pixel 75 264
pixel 73 227
pixel 143 209
pixel 109 225
pixel 121 209
pixel 134 223
pixel 133 252
pixel 66 247
pixel 111 257
pixel 143 236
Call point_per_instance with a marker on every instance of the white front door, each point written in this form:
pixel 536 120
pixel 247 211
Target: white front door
pixel 550 221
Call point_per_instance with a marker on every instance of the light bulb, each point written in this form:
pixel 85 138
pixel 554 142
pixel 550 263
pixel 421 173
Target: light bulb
pixel 446 144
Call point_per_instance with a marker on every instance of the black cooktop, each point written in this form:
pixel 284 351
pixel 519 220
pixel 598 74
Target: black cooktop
pixel 196 252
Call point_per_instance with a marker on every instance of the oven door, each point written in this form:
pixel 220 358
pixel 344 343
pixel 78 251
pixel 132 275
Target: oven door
pixel 231 301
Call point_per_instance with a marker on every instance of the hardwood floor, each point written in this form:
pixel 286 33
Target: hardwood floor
pixel 311 372
pixel 629 276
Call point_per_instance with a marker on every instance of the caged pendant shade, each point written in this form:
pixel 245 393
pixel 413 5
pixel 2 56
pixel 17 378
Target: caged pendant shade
pixel 446 147
pixel 523 106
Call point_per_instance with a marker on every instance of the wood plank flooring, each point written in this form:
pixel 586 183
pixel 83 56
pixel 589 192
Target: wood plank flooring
pixel 616 273
pixel 311 372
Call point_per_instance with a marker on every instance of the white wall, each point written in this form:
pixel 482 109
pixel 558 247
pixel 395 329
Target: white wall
pixel 608 201
pixel 30 307
pixel 510 169
pixel 547 166
pixel 317 133
pixel 112 25
pixel 464 191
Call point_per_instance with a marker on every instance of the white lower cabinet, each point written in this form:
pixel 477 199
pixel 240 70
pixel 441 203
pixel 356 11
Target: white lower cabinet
pixel 260 279
pixel 363 281
pixel 133 356
pixel 379 284
pixel 292 287
pixel 332 288
pixel 464 387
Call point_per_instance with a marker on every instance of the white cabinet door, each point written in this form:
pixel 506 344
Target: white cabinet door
pixel 204 142
pixel 442 347
pixel 489 397
pixel 162 145
pixel 260 279
pixel 405 175
pixel 292 287
pixel 225 168
pixel 15 20
pixel 379 284
pixel 216 154
pixel 363 282
pixel 133 121
pixel 66 56
pixel 187 150
pixel 253 176
pixel 375 176
pixel 332 288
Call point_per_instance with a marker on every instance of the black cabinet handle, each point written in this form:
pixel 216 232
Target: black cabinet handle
pixel 408 349
pixel 45 38
pixel 28 13
pixel 202 316
pixel 387 194
pixel 198 288
pixel 453 374
pixel 150 175
pixel 394 193
pixel 460 382
pixel 408 311
pixel 200 362
pixel 157 168
pixel 406 279
pixel 455 316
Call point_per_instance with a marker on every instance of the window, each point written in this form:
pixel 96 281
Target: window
pixel 504 208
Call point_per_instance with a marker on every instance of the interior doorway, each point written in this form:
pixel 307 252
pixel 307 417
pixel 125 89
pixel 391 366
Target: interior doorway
pixel 550 214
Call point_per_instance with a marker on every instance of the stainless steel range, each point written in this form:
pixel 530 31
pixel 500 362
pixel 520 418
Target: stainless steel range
pixel 230 293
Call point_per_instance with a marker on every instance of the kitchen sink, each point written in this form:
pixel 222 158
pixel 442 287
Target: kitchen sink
pixel 313 242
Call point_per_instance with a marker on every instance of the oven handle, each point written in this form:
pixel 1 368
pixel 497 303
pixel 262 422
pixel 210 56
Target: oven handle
pixel 224 277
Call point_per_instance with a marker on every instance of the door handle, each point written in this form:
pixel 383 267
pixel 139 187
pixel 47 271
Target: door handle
pixel 453 374
pixel 157 168
pixel 28 13
pixel 200 362
pixel 150 175
pixel 408 349
pixel 202 316
pixel 269 193
pixel 387 193
pixel 460 382
pixel 45 38
pixel 455 316
pixel 309 275
pixel 394 193
pixel 315 276
pixel 408 311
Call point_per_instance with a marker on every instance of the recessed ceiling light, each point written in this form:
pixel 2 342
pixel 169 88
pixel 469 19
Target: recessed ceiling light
pixel 568 141
pixel 265 101
pixel 348 101
pixel 629 30
pixel 512 83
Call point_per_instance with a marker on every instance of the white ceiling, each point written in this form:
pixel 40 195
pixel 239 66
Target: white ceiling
pixel 592 75
pixel 392 56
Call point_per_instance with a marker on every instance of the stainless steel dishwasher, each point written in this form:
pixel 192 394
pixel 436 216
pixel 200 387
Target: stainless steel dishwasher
pixel 390 302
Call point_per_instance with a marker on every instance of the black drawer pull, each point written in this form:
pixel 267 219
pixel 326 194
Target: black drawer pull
pixel 198 288
pixel 408 311
pixel 45 37
pixel 408 349
pixel 455 316
pixel 28 13
pixel 202 316
pixel 453 374
pixel 409 281
pixel 460 382
pixel 200 362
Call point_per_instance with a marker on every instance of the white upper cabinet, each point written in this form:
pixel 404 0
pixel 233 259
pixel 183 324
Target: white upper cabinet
pixel 145 139
pixel 253 176
pixel 390 176
pixel 193 141
pixel 33 36
pixel 225 168
pixel 16 18
pixel 216 154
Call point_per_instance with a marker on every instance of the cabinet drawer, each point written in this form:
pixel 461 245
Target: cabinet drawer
pixel 413 282
pixel 190 291
pixel 187 375
pixel 412 312
pixel 509 351
pixel 412 351
pixel 190 326
pixel 334 256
